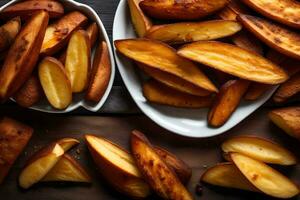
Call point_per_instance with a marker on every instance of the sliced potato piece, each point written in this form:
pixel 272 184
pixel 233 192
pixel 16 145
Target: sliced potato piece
pixel 184 32
pixel 67 143
pixel 226 101
pixel 93 33
pixel 8 32
pixel 161 56
pixel 156 92
pixel 55 83
pixel 259 149
pixel 265 178
pixel 235 61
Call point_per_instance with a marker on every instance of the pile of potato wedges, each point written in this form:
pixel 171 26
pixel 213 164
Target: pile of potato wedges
pixel 47 53
pixel 215 53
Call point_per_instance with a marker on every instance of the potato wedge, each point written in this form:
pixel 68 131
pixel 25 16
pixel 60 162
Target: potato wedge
pixel 26 9
pixel 22 55
pixel 226 101
pixel 100 74
pixel 227 175
pixel 139 20
pixel 173 81
pixel 14 137
pixel 161 56
pixel 278 37
pixel 155 171
pixel 8 32
pixel 55 83
pixel 78 60
pixel 183 32
pixel 67 143
pixel 286 12
pixel 287 119
pixel 58 33
pixel 259 149
pixel 156 92
pixel 181 10
pixel 265 178
pixel 235 61
pixel 30 93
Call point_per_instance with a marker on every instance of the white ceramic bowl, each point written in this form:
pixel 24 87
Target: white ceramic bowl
pixel 186 122
pixel 78 99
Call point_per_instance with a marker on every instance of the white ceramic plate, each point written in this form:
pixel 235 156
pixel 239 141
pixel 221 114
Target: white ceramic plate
pixel 186 122
pixel 78 99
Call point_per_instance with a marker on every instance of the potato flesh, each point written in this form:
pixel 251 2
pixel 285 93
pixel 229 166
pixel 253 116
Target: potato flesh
pixel 67 143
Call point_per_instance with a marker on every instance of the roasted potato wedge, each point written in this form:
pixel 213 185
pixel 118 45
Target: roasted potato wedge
pixel 287 119
pixel 274 35
pixel 100 74
pixel 67 143
pixel 235 61
pixel 184 32
pixel 139 20
pixel 226 101
pixel 22 55
pixel 58 33
pixel 55 83
pixel 259 149
pixel 26 9
pixel 8 32
pixel 155 171
pixel 156 92
pixel 78 60
pixel 14 137
pixel 161 56
pixel 181 10
pixel 265 178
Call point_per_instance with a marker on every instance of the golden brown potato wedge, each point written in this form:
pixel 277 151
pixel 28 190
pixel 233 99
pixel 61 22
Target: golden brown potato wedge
pixel 8 32
pixel 139 20
pixel 22 55
pixel 184 32
pixel 67 143
pixel 26 9
pixel 156 92
pixel 226 101
pixel 14 137
pixel 30 93
pixel 161 56
pixel 181 10
pixel 235 61
pixel 155 171
pixel 259 149
pixel 286 12
pixel 100 74
pixel 264 178
pixel 58 33
pixel 227 175
pixel 274 35
pixel 55 83
pixel 287 119
pixel 78 60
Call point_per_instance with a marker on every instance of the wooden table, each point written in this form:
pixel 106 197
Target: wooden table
pixel 115 121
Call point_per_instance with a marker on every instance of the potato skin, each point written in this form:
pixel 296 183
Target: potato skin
pixel 8 33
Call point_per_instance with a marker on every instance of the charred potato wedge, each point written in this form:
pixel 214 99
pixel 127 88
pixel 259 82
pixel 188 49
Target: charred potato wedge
pixel 8 32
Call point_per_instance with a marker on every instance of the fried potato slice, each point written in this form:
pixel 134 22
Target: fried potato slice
pixel 78 60
pixel 227 175
pixel 181 10
pixel 22 55
pixel 59 32
pixel 156 92
pixel 139 20
pixel 155 171
pixel 55 83
pixel 184 32
pixel 235 61
pixel 259 149
pixel 274 35
pixel 8 32
pixel 161 56
pixel 100 74
pixel 14 137
pixel 226 101
pixel 26 9
pixel 265 178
